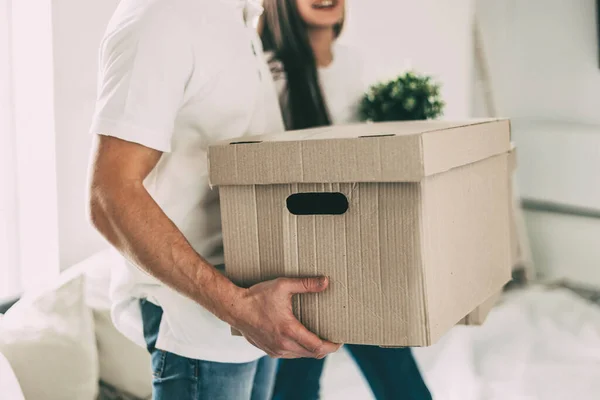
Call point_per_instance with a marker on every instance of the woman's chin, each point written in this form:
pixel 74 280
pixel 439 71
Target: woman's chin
pixel 324 24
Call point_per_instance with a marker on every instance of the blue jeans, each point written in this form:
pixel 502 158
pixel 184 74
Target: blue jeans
pixel 181 378
pixel 392 374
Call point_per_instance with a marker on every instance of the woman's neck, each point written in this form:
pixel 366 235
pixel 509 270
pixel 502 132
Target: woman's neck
pixel 321 41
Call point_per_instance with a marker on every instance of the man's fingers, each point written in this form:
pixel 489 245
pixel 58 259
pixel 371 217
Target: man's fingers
pixel 270 352
pixel 305 285
pixel 318 347
pixel 289 349
pixel 328 348
pixel 294 350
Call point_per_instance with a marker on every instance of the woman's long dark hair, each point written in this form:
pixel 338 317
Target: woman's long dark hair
pixel 285 34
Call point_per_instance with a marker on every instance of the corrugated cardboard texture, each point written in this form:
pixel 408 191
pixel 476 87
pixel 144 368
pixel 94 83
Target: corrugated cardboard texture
pixel 371 254
pixel 371 259
pixel 380 152
pixel 407 260
pixel 479 315
pixel 465 239
pixel 444 150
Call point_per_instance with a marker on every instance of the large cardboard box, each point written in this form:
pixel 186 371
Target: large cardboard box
pixel 410 220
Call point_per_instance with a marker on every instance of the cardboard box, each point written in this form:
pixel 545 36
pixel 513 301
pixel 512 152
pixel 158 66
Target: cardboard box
pixel 410 220
pixel 478 316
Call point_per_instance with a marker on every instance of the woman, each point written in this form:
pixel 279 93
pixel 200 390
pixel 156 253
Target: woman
pixel 320 84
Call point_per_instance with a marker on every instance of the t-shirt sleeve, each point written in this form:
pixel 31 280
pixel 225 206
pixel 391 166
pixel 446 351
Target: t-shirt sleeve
pixel 144 69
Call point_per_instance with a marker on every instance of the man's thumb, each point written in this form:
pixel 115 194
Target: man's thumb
pixel 308 285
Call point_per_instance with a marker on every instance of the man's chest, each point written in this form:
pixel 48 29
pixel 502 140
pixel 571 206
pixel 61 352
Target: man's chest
pixel 231 93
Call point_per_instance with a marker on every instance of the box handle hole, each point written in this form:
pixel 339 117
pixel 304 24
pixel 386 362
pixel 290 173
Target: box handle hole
pixel 318 203
pixel 376 136
pixel 246 142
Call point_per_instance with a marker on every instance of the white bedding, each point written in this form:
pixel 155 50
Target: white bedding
pixel 537 344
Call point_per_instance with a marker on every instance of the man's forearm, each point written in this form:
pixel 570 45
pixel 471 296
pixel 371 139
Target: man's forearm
pixel 125 213
pixel 132 222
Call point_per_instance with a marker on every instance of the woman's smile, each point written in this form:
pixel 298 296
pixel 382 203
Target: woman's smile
pixel 324 4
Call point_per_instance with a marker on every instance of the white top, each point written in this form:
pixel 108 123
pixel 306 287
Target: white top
pixel 177 75
pixel 342 83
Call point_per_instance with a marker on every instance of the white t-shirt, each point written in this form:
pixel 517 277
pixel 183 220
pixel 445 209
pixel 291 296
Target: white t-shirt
pixel 177 75
pixel 342 83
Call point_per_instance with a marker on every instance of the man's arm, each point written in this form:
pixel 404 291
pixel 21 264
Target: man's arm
pixel 127 216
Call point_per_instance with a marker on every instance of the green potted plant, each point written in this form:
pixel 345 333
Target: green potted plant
pixel 408 97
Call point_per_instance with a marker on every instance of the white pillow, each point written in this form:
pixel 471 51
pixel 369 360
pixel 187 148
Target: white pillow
pixel 48 339
pixel 123 364
pixel 9 385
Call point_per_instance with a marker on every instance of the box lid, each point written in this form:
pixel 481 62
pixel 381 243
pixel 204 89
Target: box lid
pixel 404 151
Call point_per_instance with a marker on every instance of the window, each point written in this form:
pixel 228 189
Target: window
pixel 28 191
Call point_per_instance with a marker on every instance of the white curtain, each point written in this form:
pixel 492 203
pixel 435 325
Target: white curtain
pixel 10 282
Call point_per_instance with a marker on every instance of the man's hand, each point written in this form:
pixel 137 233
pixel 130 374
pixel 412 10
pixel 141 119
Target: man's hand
pixel 263 314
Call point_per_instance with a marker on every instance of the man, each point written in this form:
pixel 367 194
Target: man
pixel 176 75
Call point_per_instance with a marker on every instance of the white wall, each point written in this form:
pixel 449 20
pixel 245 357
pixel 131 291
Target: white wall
pixel 543 58
pixel 559 162
pixel 430 36
pixel 565 247
pixel 78 27
pixel 545 74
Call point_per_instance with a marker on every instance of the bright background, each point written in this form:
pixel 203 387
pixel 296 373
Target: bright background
pixel 541 56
